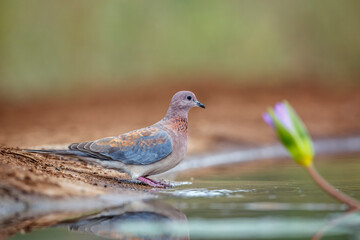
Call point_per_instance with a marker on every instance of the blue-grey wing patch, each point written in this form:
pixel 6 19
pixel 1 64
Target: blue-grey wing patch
pixel 139 147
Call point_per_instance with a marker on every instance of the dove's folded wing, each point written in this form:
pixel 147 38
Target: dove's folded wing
pixel 139 147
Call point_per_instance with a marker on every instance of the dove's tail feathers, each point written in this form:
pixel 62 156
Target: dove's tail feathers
pixel 59 152
pixel 81 156
pixel 64 152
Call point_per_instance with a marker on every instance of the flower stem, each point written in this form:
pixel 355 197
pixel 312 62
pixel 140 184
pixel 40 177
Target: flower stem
pixel 331 190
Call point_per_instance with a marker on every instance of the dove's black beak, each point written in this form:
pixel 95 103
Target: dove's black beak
pixel 199 104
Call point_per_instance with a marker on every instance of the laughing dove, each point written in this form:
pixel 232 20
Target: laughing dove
pixel 144 152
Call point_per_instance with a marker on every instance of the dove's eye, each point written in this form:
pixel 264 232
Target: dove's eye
pixel 189 97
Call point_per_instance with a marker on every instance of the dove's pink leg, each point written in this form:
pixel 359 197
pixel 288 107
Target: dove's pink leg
pixel 150 182
pixel 156 182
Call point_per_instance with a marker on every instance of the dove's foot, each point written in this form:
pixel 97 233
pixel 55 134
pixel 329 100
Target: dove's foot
pixel 161 182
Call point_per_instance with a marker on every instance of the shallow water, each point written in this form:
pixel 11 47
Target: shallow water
pixel 273 202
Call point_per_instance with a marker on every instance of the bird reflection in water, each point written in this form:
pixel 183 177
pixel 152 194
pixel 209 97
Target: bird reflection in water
pixel 150 219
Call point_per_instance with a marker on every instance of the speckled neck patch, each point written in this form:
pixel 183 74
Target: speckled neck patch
pixel 179 124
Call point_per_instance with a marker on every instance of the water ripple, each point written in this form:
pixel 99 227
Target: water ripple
pixel 207 193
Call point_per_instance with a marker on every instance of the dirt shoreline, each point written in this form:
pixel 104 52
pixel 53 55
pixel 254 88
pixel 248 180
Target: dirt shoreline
pixel 56 176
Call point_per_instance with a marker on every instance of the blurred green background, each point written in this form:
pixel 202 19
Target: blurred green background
pixel 50 47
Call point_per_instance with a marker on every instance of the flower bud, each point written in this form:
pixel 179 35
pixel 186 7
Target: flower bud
pixel 291 132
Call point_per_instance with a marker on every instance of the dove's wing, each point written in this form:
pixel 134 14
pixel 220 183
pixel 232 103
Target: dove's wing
pixel 139 147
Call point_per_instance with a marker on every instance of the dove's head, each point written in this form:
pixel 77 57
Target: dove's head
pixel 182 102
